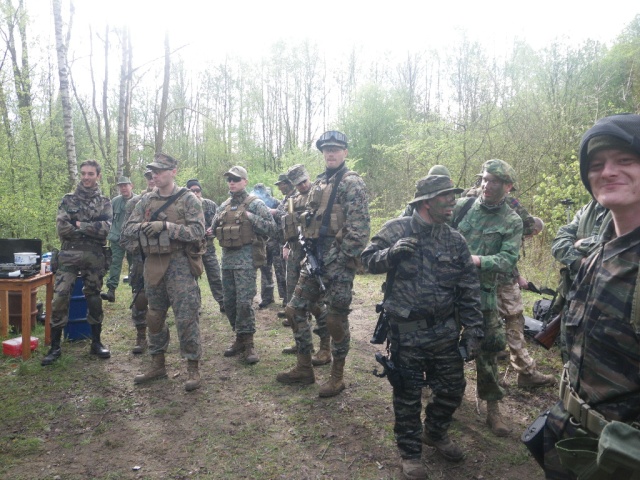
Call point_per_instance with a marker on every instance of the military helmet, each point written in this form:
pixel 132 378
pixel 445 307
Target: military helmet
pixel 439 170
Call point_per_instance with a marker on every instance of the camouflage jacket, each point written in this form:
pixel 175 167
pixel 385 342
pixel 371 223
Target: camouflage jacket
pixel 188 207
pixel 262 222
pixel 209 208
pixel 603 328
pixel 587 225
pixel 130 246
pixel 119 207
pixel 495 235
pixel 438 278
pixel 91 209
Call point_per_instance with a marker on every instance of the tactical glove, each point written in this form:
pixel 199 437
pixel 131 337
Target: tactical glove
pixel 403 249
pixel 153 229
pixel 471 340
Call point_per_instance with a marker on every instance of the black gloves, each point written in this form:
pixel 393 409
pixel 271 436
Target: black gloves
pixel 403 249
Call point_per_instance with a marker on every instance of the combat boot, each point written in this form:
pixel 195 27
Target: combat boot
pixel 250 356
pixel 141 341
pixel 334 385
pixel 281 314
pixel 323 356
pixel 193 381
pixel 96 345
pixel 156 372
pixel 286 322
pixel 54 351
pixel 109 295
pixel 290 350
pixel 536 379
pixel 413 469
pixel 267 297
pixel 494 420
pixel 301 374
pixel 446 447
pixel 235 348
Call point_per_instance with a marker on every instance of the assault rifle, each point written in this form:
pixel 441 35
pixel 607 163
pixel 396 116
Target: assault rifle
pixel 399 377
pixel 312 263
pixel 382 327
pixel 548 335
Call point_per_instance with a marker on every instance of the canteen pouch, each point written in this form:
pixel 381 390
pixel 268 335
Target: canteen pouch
pixel 194 253
pixel 54 259
pixel 533 438
pixel 259 252
pixel 619 450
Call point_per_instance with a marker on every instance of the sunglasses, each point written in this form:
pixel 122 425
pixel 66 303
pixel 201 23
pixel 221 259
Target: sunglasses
pixel 233 179
pixel 195 190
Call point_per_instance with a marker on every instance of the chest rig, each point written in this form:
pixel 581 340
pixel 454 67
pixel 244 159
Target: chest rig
pixel 291 221
pixel 316 210
pixel 174 213
pixel 233 228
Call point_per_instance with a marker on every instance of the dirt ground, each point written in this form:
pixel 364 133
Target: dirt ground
pixel 241 423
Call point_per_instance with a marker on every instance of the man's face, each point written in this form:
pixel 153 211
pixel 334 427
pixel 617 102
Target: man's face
pixel 197 191
pixel 236 184
pixel 150 183
pixel 163 178
pixel 441 207
pixel 493 189
pixel 89 176
pixel 304 187
pixel 126 189
pixel 614 176
pixel 334 156
pixel 284 188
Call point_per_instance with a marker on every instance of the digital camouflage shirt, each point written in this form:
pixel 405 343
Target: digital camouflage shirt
pixel 91 209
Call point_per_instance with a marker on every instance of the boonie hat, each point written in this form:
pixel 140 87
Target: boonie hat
pixel 432 186
pixel 282 178
pixel 162 161
pixel 297 174
pixel 236 171
pixel 332 138
pixel 502 170
pixel 123 180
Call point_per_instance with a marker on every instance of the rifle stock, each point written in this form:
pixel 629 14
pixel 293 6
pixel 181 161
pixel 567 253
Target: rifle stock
pixel 548 336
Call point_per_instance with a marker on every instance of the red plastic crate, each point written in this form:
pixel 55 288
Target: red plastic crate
pixel 13 347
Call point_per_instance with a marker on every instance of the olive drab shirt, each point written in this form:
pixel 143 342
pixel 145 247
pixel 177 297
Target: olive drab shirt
pixel 119 207
pixel 92 210
pixel 437 278
pixel 494 234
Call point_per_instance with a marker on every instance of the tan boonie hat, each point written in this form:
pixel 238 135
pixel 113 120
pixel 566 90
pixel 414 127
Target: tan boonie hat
pixel 123 180
pixel 432 186
pixel 162 161
pixel 282 178
pixel 297 174
pixel 236 171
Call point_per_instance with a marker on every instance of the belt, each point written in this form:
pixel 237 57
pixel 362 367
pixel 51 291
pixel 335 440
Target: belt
pixel 591 420
pixel 413 326
pixel 81 245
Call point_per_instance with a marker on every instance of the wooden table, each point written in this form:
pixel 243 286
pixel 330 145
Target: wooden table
pixel 25 286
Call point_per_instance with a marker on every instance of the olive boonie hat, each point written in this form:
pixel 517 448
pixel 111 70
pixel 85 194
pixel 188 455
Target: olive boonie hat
pixel 332 138
pixel 123 180
pixel 502 170
pixel 282 178
pixel 439 170
pixel 432 186
pixel 236 171
pixel 297 174
pixel 162 161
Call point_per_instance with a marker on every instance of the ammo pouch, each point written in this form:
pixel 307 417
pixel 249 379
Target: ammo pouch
pixel 108 257
pixel 533 438
pixel 155 245
pixel 289 227
pixel 54 259
pixel 259 251
pixel 616 455
pixel 194 253
pixel 234 229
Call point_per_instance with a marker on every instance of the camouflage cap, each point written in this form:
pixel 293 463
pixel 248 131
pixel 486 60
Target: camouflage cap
pixel 162 161
pixel 502 170
pixel 297 174
pixel 148 173
pixel 282 178
pixel 433 185
pixel 123 180
pixel 439 170
pixel 236 171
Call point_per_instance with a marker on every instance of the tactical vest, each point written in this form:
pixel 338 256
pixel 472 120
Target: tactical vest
pixel 233 228
pixel 318 199
pixel 291 221
pixel 162 243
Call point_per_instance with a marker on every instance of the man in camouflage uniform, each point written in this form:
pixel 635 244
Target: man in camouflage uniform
pixel 83 222
pixel 209 259
pixel 493 232
pixel 338 242
pixel 242 225
pixel 432 279
pixel 435 170
pixel 169 224
pixel 294 255
pixel 119 205
pixel 288 190
pixel 140 304
pixel 601 381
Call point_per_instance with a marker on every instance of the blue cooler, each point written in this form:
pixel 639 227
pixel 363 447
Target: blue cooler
pixel 77 328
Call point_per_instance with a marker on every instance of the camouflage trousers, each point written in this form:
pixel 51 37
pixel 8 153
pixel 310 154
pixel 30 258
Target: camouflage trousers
pixel 239 286
pixel 140 303
pixel 177 289
pixel 117 258
pixel 90 265
pixel 279 268
pixel 510 308
pixel 486 362
pixel 338 280
pixel 212 268
pixel 444 370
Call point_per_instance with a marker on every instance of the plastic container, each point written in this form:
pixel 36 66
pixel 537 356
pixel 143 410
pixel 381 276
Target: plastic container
pixel 77 327
pixel 77 330
pixel 13 347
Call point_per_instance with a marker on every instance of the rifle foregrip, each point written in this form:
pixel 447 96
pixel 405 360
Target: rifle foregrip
pixel 548 336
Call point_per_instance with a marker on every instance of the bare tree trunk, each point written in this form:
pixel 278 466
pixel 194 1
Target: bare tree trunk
pixel 165 95
pixel 122 103
pixel 61 50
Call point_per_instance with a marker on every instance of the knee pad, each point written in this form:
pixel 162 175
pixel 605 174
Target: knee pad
pixel 141 301
pixel 335 324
